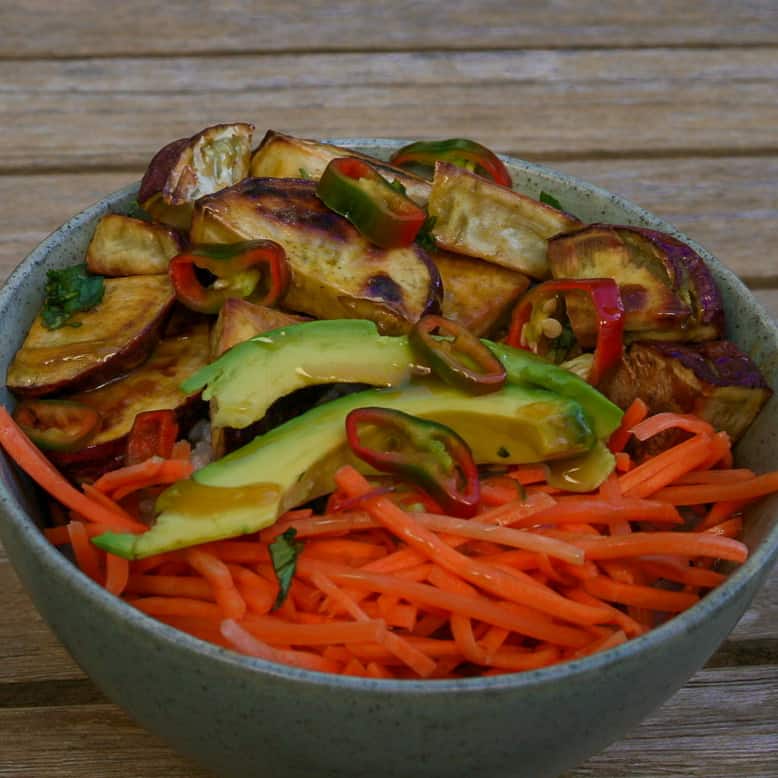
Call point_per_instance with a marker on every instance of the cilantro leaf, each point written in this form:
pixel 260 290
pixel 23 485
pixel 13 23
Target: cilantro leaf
pixel 424 237
pixel 68 291
pixel 549 199
pixel 284 551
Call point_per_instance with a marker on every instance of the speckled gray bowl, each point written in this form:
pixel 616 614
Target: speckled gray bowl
pixel 246 718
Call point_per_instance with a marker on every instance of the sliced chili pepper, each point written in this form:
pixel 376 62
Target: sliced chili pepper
pixel 458 357
pixel 604 293
pixel 239 268
pixel 153 433
pixel 381 212
pixel 57 425
pixel 458 151
pixel 430 455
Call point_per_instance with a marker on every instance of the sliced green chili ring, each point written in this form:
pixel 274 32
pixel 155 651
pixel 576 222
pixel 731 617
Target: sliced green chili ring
pixel 430 455
pixel 380 211
pixel 458 151
pixel 604 293
pixel 57 425
pixel 239 269
pixel 457 357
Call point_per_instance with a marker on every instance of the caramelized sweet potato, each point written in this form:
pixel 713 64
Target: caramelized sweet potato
pixel 239 320
pixel 112 338
pixel 476 294
pixel 667 290
pixel 478 218
pixel 123 246
pixel 284 156
pixel 714 380
pixel 152 386
pixel 189 168
pixel 336 273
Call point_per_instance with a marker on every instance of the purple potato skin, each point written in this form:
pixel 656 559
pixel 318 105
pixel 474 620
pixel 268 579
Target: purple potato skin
pixel 159 169
pixel 682 261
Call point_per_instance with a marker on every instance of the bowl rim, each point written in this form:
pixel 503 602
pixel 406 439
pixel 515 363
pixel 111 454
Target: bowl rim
pixel 96 596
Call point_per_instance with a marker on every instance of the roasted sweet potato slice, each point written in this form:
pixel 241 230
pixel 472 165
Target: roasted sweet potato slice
pixel 152 386
pixel 477 294
pixel 239 320
pixel 667 290
pixel 189 168
pixel 336 273
pixel 478 218
pixel 714 380
pixel 112 338
pixel 123 246
pixel 284 156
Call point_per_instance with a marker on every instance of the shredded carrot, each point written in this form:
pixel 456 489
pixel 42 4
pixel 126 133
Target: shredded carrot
pixel 382 590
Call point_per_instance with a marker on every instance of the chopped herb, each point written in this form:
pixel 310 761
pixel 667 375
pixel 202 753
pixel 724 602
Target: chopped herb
pixel 304 173
pixel 503 452
pixel 549 199
pixel 135 211
pixel 397 185
pixel 68 291
pixel 424 237
pixel 284 551
pixel 559 347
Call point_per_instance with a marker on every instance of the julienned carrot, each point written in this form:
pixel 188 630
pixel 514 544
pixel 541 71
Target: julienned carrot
pixel 189 586
pixel 685 544
pixel 155 470
pixel 660 422
pixel 759 486
pixel 642 596
pixel 715 476
pixel 485 576
pixel 35 464
pixel 636 412
pixel 87 556
pixel 218 576
pixel 117 573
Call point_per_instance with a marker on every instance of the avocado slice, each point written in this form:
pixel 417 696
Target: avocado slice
pixel 249 488
pixel 244 382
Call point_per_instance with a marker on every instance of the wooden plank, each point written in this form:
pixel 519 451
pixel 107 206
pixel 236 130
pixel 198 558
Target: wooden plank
pixel 721 724
pixel 728 204
pixel 545 104
pixel 30 652
pixel 32 28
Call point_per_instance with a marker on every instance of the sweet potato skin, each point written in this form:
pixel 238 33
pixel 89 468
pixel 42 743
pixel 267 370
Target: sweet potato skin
pixel 115 336
pixel 336 272
pixel 123 246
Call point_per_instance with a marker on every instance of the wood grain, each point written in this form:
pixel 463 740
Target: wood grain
pixel 71 115
pixel 728 204
pixel 735 708
pixel 33 28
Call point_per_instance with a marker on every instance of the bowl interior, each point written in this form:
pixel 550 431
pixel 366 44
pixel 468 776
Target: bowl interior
pixel 748 325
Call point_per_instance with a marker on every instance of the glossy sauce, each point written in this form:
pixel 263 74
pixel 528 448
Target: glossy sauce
pixel 200 501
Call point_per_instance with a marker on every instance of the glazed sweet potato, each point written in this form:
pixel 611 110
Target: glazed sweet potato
pixel 189 168
pixel 123 246
pixel 239 320
pixel 336 272
pixel 284 156
pixel 667 290
pixel 152 386
pixel 478 218
pixel 112 338
pixel 714 380
pixel 476 294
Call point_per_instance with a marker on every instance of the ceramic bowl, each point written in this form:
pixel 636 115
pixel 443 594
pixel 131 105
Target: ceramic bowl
pixel 248 718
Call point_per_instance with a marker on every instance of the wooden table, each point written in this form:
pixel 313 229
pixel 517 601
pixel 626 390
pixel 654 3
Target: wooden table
pixel 672 104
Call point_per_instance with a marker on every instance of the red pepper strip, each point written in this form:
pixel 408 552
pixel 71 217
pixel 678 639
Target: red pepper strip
pixel 382 213
pixel 462 361
pixel 428 454
pixel 606 297
pixel 57 425
pixel 153 433
pixel 458 151
pixel 238 268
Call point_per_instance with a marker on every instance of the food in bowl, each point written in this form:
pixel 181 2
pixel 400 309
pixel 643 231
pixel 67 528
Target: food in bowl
pixel 369 541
